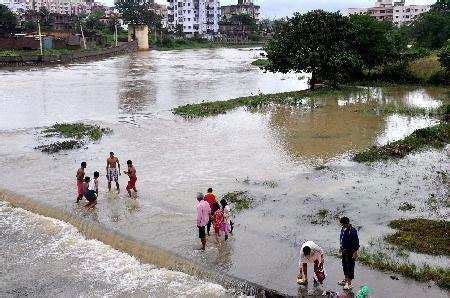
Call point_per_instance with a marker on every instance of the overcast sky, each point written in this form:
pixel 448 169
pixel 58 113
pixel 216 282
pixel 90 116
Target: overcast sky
pixel 282 8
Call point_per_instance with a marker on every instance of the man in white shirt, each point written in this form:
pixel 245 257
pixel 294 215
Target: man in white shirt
pixel 310 253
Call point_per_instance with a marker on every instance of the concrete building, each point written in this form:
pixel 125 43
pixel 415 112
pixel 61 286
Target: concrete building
pixel 243 7
pixel 395 11
pixel 195 16
pixel 16 5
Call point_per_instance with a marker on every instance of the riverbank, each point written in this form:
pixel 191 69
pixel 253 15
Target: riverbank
pixel 185 44
pixel 22 59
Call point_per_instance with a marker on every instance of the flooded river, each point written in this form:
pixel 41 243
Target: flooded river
pixel 175 158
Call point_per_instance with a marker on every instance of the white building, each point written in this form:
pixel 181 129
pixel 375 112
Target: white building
pixel 15 5
pixel 397 12
pixel 196 16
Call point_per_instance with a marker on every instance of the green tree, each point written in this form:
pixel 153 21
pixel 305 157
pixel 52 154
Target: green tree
pixel 93 24
pixel 317 42
pixel 441 6
pixel 373 40
pixel 444 57
pixel 45 18
pixel 138 12
pixel 8 21
pixel 432 29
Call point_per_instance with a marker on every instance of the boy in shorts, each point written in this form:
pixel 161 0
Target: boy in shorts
pixel 132 175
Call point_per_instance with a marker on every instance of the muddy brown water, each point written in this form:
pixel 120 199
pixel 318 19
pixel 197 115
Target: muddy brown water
pixel 175 158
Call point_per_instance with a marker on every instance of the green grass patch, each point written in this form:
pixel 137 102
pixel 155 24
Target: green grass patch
pixel 424 68
pixel 435 137
pixel 241 200
pixel 60 146
pixel 211 108
pixel 405 206
pixel 261 63
pixel 421 235
pixel 76 131
pixel 392 108
pixel 383 262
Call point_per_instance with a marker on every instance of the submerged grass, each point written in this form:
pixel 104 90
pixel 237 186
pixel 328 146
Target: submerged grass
pixel 59 146
pixel 241 200
pixel 381 261
pixel 435 137
pixel 76 131
pixel 261 63
pixel 421 235
pixel 212 108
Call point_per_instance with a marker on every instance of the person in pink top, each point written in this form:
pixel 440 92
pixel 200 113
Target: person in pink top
pixel 203 211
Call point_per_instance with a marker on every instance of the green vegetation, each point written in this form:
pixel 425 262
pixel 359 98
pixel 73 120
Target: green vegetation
pixel 241 200
pixel 8 21
pixel 381 261
pixel 405 206
pixel 421 235
pixel 435 137
pixel 424 68
pixel 325 216
pixel 266 183
pixel 221 107
pixel 59 146
pixel 261 63
pixel 167 43
pixel 76 131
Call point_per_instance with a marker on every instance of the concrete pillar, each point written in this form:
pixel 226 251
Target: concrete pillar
pixel 139 33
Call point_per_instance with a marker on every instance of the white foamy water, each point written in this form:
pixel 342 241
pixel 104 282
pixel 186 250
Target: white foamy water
pixel 42 256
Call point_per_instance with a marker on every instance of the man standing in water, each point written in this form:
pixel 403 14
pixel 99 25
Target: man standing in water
pixel 132 175
pixel 349 249
pixel 111 171
pixel 203 211
pixel 80 178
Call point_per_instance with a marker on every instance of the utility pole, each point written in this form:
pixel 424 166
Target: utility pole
pixel 82 36
pixel 40 36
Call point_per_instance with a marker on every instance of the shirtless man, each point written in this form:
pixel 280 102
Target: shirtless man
pixel 111 171
pixel 132 175
pixel 80 178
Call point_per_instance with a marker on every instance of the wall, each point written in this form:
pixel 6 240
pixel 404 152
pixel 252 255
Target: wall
pixel 67 58
pixel 140 35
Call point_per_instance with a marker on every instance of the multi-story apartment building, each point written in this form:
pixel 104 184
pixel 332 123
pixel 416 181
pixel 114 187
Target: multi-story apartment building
pixel 395 11
pixel 243 7
pixel 16 5
pixel 195 16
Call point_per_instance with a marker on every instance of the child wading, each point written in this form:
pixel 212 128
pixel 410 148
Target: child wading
pixel 226 224
pixel 218 220
pixel 89 192
pixel 132 175
pixel 80 177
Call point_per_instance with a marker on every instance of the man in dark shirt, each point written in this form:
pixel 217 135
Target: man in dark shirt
pixel 349 249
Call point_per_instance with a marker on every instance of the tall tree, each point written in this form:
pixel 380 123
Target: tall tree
pixel 317 42
pixel 432 29
pixel 373 40
pixel 137 12
pixel 8 21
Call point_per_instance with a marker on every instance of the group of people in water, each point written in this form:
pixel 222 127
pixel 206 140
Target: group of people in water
pixel 217 214
pixel 211 212
pixel 88 188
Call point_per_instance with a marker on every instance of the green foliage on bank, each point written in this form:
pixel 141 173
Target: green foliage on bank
pixel 76 131
pixel 241 200
pixel 211 108
pixel 425 273
pixel 421 235
pixel 261 63
pixel 431 137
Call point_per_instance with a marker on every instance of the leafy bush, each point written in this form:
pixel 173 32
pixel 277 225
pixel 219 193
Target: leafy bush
pixel 444 56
